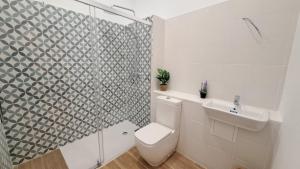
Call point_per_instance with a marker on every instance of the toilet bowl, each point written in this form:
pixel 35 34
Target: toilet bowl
pixel 157 141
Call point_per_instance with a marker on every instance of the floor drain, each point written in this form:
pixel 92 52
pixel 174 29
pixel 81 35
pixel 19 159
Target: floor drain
pixel 125 133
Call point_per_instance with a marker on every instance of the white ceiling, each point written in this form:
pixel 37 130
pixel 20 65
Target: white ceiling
pixel 170 8
pixel 163 8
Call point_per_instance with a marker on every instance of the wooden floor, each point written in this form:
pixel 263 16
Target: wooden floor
pixel 132 160
pixel 52 160
pixel 129 160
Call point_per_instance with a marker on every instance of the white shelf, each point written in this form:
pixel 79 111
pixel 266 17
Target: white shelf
pixel 274 115
pixel 181 95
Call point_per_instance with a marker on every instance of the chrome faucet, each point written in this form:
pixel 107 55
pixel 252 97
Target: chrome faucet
pixel 236 101
pixel 237 104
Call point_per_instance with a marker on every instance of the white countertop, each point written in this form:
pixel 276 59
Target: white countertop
pixel 274 115
pixel 181 95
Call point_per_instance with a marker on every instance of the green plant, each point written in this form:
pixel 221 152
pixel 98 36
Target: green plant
pixel 163 76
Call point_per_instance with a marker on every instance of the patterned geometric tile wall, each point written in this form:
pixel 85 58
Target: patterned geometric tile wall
pixel 58 75
pixel 5 162
pixel 139 68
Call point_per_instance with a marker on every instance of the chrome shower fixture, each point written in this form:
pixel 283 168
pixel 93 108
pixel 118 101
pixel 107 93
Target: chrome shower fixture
pixel 121 7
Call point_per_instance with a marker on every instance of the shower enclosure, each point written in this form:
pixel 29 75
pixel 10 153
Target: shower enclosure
pixel 72 77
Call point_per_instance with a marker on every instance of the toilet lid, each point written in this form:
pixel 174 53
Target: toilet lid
pixel 152 133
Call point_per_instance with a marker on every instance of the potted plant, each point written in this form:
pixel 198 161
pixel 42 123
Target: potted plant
pixel 163 76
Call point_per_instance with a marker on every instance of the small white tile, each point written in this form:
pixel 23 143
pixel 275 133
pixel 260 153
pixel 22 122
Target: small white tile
pixel 219 143
pixel 287 155
pixel 195 112
pixel 223 130
pixel 256 155
pixel 262 86
pixel 261 137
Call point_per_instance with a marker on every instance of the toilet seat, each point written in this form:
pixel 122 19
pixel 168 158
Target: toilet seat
pixel 153 133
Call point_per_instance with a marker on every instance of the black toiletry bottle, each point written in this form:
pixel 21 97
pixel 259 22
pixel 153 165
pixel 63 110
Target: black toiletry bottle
pixel 203 94
pixel 203 90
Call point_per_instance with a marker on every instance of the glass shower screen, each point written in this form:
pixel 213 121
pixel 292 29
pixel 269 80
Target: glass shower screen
pixel 73 78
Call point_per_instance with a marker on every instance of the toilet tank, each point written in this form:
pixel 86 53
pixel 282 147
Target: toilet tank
pixel 168 111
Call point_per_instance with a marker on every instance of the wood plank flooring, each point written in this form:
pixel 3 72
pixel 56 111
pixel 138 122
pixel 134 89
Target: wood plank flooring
pixel 132 160
pixel 52 160
pixel 129 160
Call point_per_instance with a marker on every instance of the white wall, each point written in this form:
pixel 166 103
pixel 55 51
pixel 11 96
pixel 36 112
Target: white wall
pixel 251 150
pixel 218 149
pixel 287 155
pixel 158 41
pixel 214 44
pixel 170 8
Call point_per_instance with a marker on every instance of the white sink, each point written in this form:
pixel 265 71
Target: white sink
pixel 249 118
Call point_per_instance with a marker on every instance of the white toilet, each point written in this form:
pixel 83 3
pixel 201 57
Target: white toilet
pixel 157 141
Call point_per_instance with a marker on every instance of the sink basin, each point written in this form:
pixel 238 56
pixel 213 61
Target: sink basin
pixel 249 118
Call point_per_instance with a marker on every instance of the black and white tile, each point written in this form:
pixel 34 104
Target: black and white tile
pixel 5 161
pixel 59 77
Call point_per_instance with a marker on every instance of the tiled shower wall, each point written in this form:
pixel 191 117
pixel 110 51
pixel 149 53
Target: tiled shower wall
pixel 62 72
pixel 139 68
pixel 5 162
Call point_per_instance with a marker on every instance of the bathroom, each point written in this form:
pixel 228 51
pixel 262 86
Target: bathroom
pixel 117 84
